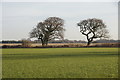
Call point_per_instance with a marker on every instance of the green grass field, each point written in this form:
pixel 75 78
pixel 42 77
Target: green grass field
pixel 60 63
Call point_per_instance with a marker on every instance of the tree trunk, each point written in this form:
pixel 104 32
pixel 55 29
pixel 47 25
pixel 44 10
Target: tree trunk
pixel 46 40
pixel 43 43
pixel 46 43
pixel 88 43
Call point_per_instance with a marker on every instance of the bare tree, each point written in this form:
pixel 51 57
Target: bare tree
pixel 51 28
pixel 93 29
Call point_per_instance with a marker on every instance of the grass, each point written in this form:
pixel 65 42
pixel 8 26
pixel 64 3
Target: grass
pixel 60 63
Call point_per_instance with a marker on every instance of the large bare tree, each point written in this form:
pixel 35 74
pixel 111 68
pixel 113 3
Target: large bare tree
pixel 93 29
pixel 49 29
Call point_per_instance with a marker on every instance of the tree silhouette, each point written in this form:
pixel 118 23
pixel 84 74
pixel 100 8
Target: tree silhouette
pixel 92 29
pixel 51 28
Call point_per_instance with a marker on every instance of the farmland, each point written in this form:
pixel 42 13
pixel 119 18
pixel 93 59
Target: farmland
pixel 60 63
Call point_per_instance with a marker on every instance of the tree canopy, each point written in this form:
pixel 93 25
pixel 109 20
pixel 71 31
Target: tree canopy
pixel 49 29
pixel 92 29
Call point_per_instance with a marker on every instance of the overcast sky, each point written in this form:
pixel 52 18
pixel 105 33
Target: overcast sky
pixel 19 18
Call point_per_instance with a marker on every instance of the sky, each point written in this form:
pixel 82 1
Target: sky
pixel 19 18
pixel 59 0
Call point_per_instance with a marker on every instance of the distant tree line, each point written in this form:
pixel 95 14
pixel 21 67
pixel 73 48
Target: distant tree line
pixel 11 41
pixel 64 41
